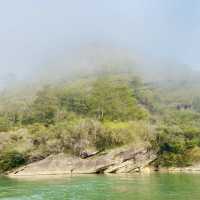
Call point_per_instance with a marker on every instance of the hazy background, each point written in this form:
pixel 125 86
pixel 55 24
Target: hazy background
pixel 39 36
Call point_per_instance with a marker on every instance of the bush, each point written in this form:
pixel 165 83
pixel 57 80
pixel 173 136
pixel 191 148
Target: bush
pixel 193 155
pixel 5 124
pixel 173 143
pixel 10 160
pixel 122 133
pixel 169 159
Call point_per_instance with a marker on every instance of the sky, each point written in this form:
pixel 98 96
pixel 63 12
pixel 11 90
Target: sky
pixel 33 31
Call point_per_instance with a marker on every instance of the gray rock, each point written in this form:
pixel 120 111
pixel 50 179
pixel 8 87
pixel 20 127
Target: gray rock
pixel 119 160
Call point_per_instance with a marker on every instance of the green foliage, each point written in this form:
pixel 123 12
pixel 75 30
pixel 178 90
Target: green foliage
pixel 5 124
pixel 193 155
pixel 107 98
pixel 184 117
pixel 75 100
pixel 172 159
pixel 43 109
pixel 11 159
pixel 101 112
pixel 179 134
pixel 122 133
pixel 114 100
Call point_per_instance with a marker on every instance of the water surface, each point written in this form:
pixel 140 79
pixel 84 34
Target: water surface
pixel 135 187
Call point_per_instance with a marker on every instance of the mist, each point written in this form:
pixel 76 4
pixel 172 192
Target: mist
pixel 51 40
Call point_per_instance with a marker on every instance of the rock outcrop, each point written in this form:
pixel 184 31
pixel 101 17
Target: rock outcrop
pixel 120 160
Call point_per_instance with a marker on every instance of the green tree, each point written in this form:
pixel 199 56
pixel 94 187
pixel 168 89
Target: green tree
pixel 43 109
pixel 114 100
pixel 10 160
pixel 75 100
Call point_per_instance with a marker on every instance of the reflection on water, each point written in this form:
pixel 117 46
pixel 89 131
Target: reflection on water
pixel 127 187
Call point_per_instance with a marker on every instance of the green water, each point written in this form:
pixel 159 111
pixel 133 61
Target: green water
pixel 137 187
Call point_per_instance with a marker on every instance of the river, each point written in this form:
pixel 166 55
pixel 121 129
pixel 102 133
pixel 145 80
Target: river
pixel 126 187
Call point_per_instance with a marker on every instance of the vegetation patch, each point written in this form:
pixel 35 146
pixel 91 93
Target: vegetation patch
pixel 99 113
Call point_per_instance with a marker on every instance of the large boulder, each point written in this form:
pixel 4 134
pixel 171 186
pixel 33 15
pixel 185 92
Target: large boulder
pixel 119 160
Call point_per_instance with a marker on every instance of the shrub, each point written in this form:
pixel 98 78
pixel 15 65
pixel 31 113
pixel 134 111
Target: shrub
pixel 174 143
pixel 5 124
pixel 121 133
pixel 11 159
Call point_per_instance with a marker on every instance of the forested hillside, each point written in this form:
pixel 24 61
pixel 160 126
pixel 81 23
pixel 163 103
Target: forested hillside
pixel 98 112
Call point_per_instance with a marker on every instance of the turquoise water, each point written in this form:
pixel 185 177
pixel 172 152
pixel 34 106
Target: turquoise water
pixel 136 187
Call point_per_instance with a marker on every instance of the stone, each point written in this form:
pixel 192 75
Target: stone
pixel 119 160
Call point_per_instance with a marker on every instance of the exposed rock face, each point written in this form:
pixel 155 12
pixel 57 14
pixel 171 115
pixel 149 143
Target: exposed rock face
pixel 116 161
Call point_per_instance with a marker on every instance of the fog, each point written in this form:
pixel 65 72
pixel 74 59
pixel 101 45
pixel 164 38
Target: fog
pixel 54 39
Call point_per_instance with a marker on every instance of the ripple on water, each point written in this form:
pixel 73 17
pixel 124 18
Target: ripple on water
pixel 129 187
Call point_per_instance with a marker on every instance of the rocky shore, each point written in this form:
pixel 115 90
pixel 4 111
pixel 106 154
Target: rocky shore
pixel 120 160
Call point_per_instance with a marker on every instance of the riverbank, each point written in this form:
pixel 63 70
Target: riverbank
pixel 124 160
pixel 119 160
pixel 96 115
